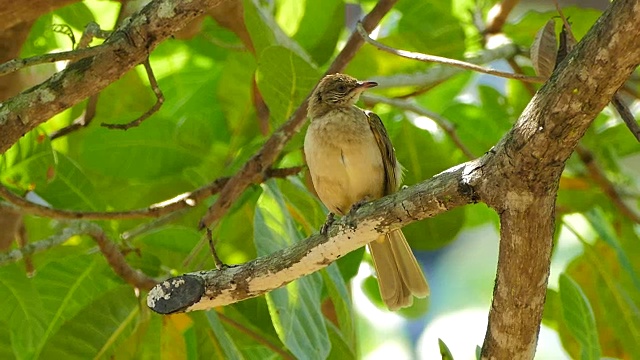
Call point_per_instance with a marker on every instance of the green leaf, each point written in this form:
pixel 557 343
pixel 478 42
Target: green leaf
pixel 320 28
pixel 76 15
pixel 523 31
pixel 444 350
pixel 147 152
pixel 579 316
pixel 284 80
pixel 68 286
pixel 423 156
pixel 98 329
pixel 295 309
pixel 340 349
pixel 29 164
pixel 21 308
pixel 339 295
pixel 265 31
pixel 6 351
pixel 230 350
pixel 441 35
pixel 605 231
pixel 71 188
pixel 171 244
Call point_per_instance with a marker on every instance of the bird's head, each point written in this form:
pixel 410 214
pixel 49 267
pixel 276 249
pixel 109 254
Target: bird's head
pixel 336 90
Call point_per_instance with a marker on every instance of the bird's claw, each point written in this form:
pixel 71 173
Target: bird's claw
pixel 354 209
pixel 327 223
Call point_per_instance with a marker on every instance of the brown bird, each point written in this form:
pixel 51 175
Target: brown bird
pixel 351 160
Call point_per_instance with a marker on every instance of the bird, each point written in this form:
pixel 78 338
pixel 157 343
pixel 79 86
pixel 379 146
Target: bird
pixel 351 161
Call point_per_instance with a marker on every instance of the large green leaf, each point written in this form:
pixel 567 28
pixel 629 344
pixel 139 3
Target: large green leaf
pixel 524 30
pixel 67 287
pixel 284 80
pixel 98 329
pixel 29 163
pixel 265 31
pixel 579 316
pixel 606 233
pixel 295 309
pixel 339 295
pixel 320 27
pixel 21 308
pixel 229 349
pixel 423 156
pixel 340 349
pixel 441 35
pixel 71 188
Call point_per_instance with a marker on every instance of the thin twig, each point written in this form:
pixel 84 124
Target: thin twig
pixel 216 258
pixel 81 121
pixel 499 17
pixel 117 262
pixel 73 229
pixel 565 23
pixel 518 70
pixel 159 101
pixel 109 249
pixel 626 115
pixel 412 106
pixel 183 201
pixel 266 156
pixel 442 60
pixel 607 186
pixel 17 64
pixel 259 338
pixel 92 30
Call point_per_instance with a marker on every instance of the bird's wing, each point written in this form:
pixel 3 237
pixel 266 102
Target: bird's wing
pixel 386 150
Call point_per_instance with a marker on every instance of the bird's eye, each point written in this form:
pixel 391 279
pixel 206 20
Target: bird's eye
pixel 341 88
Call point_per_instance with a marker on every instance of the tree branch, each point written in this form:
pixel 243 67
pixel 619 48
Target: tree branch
pixel 131 43
pixel 446 61
pixel 109 249
pixel 520 177
pixel 182 201
pixel 206 289
pixel 439 73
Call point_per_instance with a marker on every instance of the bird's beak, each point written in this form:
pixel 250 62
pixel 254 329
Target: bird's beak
pixel 366 84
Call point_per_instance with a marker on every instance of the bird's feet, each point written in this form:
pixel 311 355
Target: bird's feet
pixel 354 209
pixel 327 223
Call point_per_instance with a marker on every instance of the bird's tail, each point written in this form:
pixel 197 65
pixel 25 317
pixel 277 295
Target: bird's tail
pixel 399 274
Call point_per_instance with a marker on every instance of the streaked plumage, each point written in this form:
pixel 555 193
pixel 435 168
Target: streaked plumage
pixel 350 159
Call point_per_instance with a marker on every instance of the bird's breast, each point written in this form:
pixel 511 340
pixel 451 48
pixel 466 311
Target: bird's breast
pixel 344 160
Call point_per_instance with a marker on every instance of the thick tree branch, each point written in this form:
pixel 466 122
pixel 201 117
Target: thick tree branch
pixel 207 289
pixel 133 40
pixel 520 176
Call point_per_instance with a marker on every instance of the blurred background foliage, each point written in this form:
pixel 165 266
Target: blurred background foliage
pixel 219 78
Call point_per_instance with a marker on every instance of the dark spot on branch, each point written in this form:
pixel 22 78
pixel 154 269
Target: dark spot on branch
pixel 176 294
